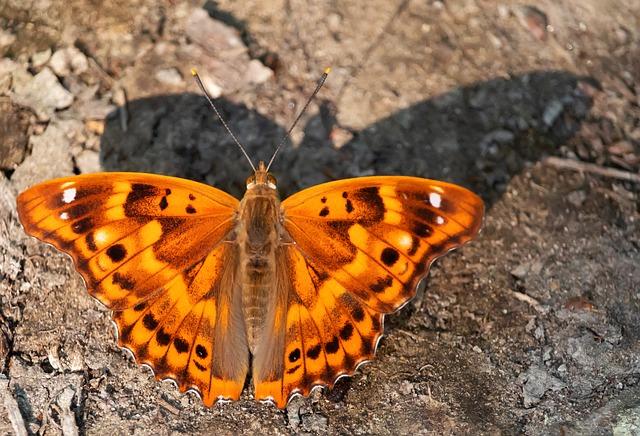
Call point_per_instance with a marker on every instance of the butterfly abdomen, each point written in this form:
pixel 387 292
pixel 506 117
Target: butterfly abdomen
pixel 257 241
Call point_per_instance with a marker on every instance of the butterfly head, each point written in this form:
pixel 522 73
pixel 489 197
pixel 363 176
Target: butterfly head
pixel 261 177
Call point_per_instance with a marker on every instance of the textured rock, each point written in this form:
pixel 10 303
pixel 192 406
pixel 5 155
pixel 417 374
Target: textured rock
pixel 14 137
pixel 43 93
pixel 536 382
pixel 50 156
pixel 68 60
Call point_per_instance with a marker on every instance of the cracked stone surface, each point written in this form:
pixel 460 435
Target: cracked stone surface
pixel 533 328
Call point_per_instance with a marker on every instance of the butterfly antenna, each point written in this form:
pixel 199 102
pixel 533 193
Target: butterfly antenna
pixel 318 86
pixel 194 73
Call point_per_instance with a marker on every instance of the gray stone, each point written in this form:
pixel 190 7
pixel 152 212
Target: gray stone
pixel 212 35
pixel 43 93
pixel 169 76
pixel 50 156
pixel 14 127
pixel 41 58
pixel 257 72
pixel 68 60
pixel 535 383
pixel 6 38
pixel 88 161
pixel 552 112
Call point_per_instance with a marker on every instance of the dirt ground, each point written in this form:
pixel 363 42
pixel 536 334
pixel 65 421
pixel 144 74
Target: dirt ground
pixel 532 328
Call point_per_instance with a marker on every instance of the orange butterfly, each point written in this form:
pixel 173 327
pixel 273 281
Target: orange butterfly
pixel 204 287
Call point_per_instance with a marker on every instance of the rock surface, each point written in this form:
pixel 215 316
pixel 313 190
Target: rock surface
pixel 533 328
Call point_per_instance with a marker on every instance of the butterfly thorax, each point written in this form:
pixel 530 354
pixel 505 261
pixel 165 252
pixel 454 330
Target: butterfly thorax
pixel 257 235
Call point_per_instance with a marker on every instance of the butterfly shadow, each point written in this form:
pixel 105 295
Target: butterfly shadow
pixel 478 135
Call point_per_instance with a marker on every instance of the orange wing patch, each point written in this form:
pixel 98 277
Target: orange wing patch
pixel 150 248
pixel 361 247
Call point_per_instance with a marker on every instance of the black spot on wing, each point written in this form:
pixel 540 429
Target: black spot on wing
pixel 123 280
pixel 349 206
pixel 294 355
pixel 181 345
pixel 201 351
pixel 358 313
pixel 91 243
pixel 314 352
pixel 149 322
pixel 192 197
pixel 324 211
pixel 346 332
pixel 332 346
pixel 415 244
pixel 164 203
pixel 116 252
pixel 200 367
pixel 421 229
pixel 140 307
pixel 163 337
pixel 82 226
pixel 381 284
pixel 389 256
pixel 190 209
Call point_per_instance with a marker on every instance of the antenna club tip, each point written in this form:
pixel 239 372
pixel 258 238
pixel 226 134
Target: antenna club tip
pixel 327 70
pixel 194 72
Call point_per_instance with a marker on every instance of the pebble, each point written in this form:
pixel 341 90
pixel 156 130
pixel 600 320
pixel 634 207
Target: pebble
pixel 577 198
pixel 213 35
pixel 88 161
pixel 552 112
pixel 41 58
pixel 257 72
pixel 534 20
pixel 535 383
pixel 43 93
pixel 68 60
pixel 14 126
pixel 49 157
pixel 6 38
pixel 169 76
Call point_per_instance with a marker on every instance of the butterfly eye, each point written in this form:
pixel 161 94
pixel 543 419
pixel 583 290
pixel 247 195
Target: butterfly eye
pixel 271 181
pixel 251 180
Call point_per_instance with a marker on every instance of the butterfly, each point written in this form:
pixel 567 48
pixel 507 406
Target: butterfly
pixel 205 289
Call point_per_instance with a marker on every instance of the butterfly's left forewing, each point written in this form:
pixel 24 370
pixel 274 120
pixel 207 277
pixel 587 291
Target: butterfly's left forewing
pixel 360 247
pixel 152 248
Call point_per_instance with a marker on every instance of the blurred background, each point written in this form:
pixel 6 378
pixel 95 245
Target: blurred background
pixel 532 328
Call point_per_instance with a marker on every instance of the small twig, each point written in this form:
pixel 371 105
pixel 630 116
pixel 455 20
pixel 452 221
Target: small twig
pixel 13 410
pixel 591 168
pixel 169 407
pixel 529 300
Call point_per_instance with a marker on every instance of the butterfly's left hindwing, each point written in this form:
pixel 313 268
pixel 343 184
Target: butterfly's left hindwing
pixel 360 247
pixel 151 248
